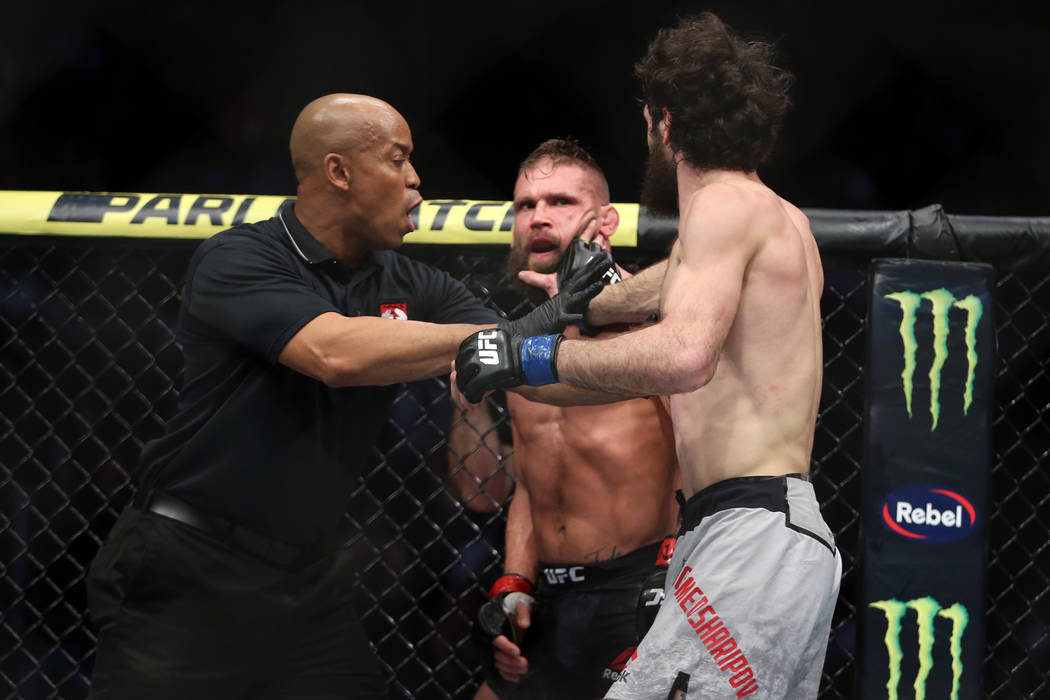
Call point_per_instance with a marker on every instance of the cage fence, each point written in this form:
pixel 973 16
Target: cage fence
pixel 90 369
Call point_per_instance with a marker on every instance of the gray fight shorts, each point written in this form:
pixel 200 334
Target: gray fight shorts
pixel 749 597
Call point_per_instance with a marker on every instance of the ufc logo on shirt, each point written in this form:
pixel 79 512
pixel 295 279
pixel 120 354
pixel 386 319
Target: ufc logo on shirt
pixel 488 348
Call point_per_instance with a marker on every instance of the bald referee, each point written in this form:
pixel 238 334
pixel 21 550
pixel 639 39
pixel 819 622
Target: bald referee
pixel 224 578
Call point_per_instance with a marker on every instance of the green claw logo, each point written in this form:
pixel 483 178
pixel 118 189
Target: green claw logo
pixel 926 609
pixel 942 302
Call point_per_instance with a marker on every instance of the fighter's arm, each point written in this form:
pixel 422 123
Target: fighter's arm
pixel 553 394
pixel 355 351
pixel 680 353
pixel 520 562
pixel 520 546
pixel 480 464
pixel 567 395
pixel 365 350
pixel 634 300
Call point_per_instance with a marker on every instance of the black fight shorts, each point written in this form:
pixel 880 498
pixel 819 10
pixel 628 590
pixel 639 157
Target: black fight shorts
pixel 181 615
pixel 583 629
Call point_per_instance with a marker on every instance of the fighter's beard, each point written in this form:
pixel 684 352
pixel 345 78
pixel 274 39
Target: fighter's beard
pixel 518 260
pixel 660 184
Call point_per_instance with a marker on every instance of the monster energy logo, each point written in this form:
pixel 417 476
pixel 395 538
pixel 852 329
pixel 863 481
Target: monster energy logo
pixel 942 301
pixel 926 609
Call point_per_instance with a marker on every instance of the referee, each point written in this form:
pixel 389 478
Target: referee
pixel 224 578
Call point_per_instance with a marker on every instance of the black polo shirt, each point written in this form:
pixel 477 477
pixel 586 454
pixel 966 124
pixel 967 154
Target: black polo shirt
pixel 253 440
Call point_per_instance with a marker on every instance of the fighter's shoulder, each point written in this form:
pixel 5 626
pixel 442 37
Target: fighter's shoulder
pixel 797 217
pixel 727 215
pixel 725 205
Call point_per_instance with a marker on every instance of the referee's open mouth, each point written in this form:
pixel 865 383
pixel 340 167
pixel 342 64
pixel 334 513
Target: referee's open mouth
pixel 417 200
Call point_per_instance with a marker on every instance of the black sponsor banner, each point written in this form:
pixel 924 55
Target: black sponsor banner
pixel 930 373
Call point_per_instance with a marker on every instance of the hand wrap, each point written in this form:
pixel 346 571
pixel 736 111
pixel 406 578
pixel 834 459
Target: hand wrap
pixel 504 596
pixel 539 356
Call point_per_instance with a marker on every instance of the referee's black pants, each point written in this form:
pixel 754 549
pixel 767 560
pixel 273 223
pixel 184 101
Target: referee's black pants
pixel 182 615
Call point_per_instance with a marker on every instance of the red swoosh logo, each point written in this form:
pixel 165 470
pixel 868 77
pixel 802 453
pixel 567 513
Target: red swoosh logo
pixel 962 501
pixel 897 528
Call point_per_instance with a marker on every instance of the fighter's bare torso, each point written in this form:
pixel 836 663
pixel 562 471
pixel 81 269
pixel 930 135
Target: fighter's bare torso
pixel 756 416
pixel 601 479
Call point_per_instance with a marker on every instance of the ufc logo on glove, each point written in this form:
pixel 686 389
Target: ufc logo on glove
pixel 487 348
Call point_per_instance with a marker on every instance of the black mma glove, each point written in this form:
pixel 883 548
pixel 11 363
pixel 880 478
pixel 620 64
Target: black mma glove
pixel 579 255
pixel 584 270
pixel 494 359
pixel 652 594
pixel 504 596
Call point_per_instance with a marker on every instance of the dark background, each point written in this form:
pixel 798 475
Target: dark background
pixel 896 106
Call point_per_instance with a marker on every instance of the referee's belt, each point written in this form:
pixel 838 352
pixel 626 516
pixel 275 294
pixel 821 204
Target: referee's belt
pixel 231 533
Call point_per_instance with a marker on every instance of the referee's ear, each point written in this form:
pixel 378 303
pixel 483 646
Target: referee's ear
pixel 337 171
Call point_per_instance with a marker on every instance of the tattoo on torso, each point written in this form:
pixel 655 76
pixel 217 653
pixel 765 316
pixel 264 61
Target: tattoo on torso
pixel 602 554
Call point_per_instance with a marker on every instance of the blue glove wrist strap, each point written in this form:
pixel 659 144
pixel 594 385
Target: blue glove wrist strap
pixel 538 355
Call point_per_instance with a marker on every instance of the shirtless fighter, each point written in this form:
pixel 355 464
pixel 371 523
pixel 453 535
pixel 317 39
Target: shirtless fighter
pixel 595 487
pixel 752 586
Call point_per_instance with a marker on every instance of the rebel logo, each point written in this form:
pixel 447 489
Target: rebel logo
pixel 926 513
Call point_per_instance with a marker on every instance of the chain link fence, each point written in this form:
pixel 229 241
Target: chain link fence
pixel 89 371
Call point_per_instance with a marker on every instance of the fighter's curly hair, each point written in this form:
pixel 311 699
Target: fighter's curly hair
pixel 725 97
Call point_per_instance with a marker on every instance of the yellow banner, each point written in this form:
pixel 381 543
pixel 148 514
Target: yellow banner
pixel 198 216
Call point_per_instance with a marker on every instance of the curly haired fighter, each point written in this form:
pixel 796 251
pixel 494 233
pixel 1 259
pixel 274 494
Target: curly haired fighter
pixel 755 576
